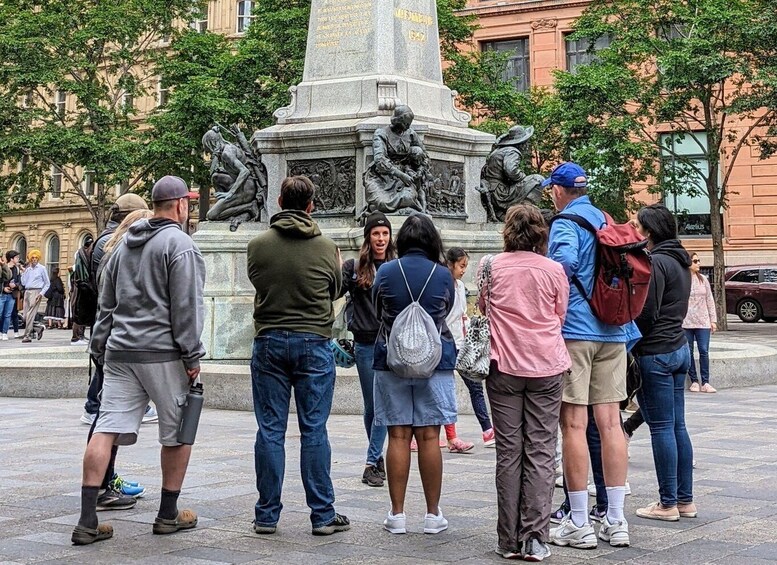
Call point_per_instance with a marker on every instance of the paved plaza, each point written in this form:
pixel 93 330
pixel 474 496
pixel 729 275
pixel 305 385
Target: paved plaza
pixel 734 434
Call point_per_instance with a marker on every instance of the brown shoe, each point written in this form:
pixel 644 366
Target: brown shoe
pixel 687 510
pixel 656 511
pixel 694 387
pixel 84 536
pixel 185 520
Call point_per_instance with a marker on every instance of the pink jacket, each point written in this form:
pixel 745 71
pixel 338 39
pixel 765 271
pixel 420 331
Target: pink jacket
pixel 529 297
pixel 701 305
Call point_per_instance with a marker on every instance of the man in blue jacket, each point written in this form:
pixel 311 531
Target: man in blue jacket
pixel 598 374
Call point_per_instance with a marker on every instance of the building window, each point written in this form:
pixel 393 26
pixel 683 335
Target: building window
pixel 81 241
pixel 162 93
pixel 684 169
pixel 89 183
pixel 583 51
pixel 20 244
pixel 52 253
pixel 56 182
pixel 60 103
pixel 127 101
pixel 27 100
pixel 199 25
pixel 517 68
pixel 245 9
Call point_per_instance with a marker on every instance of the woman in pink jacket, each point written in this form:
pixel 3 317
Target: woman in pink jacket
pixel 700 322
pixel 526 306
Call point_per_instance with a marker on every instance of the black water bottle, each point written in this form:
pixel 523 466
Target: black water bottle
pixel 190 418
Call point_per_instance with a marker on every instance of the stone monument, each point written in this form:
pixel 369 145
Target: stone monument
pixel 365 60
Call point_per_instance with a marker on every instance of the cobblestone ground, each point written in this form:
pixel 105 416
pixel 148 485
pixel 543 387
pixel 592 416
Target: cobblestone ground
pixel 734 434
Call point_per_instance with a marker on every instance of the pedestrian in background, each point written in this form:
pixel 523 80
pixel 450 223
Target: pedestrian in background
pixel 699 324
pixel 55 301
pixel 35 280
pixel 10 293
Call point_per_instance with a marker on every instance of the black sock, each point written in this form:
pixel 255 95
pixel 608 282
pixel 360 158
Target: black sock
pixel 88 517
pixel 168 507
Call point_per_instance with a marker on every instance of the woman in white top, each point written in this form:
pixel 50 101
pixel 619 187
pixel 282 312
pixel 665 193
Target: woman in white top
pixel 699 323
pixel 458 260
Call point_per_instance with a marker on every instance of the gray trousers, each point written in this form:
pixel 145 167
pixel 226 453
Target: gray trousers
pixel 525 412
pixel 31 304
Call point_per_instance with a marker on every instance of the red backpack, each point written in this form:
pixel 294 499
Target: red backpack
pixel 621 272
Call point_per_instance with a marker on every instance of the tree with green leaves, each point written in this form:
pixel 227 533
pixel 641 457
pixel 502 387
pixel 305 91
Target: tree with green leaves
pixel 689 84
pixel 69 75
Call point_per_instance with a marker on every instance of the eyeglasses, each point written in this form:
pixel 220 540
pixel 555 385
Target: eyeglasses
pixel 697 261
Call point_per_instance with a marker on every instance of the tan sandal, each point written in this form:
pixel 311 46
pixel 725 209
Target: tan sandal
pixel 185 520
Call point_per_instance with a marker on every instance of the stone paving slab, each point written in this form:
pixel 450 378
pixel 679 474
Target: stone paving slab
pixel 734 435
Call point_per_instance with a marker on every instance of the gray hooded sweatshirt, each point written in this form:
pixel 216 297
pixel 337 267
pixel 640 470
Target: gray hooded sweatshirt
pixel 150 306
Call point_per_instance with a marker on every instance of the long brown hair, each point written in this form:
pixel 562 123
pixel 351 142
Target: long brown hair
pixel 365 270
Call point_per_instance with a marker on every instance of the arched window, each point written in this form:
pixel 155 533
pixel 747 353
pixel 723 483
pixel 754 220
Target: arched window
pixel 82 237
pixel 20 244
pixel 52 253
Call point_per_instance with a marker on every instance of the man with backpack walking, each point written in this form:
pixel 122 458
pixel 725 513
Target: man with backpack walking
pixel 598 353
pixel 296 272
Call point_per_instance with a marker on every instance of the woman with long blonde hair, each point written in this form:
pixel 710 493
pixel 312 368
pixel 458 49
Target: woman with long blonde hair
pixel 118 235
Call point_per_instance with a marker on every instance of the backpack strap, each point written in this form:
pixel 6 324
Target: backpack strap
pixel 588 226
pixel 410 292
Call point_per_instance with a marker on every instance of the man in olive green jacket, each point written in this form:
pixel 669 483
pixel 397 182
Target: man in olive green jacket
pixel 296 273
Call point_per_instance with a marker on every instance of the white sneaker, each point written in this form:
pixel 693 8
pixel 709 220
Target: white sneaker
pixel 567 533
pixel 592 489
pixel 4 337
pixel 435 524
pixel 395 523
pixel 616 534
pixel 79 342
pixel 150 416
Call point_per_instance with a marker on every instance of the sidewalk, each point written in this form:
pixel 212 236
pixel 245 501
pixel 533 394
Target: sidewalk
pixel 42 443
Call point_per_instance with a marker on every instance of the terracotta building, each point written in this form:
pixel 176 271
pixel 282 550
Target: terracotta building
pixel 535 32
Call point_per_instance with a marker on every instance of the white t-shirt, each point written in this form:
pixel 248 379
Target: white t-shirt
pixel 458 315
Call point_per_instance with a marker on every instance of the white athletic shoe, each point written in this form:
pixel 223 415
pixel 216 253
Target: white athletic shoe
pixel 567 533
pixel 395 523
pixel 616 534
pixel 435 524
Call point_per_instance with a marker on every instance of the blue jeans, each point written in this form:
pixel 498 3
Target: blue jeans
pixel 662 402
pixel 478 403
pixel 376 435
pixel 281 361
pixel 702 337
pixel 7 302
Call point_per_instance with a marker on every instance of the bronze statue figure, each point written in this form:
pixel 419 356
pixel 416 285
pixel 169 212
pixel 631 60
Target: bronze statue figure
pixel 239 177
pixel 502 182
pixel 400 172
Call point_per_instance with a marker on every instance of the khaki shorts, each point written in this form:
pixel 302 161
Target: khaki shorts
pixel 598 373
pixel 126 391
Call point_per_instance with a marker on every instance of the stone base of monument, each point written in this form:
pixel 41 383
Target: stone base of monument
pixel 229 295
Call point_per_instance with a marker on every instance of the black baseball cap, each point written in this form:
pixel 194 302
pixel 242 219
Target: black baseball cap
pixel 171 188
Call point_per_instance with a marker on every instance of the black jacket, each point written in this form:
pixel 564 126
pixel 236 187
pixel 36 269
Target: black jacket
pixel 361 317
pixel 661 320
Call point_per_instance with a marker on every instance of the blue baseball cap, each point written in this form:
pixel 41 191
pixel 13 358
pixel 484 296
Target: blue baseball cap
pixel 569 175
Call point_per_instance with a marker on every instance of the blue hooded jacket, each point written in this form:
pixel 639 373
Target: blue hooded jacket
pixel 575 248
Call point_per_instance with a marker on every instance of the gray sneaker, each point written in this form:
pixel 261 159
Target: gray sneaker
pixel 616 534
pixel 371 476
pixel 114 500
pixel 567 533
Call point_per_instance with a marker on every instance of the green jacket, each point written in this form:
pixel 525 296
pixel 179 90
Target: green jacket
pixel 296 273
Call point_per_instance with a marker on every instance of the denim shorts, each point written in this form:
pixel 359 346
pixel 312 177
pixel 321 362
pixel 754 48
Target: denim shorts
pixel 414 402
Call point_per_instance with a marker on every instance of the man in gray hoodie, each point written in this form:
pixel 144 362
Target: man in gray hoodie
pixel 147 334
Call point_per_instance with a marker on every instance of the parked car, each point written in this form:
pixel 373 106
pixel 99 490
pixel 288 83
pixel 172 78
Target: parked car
pixel 751 292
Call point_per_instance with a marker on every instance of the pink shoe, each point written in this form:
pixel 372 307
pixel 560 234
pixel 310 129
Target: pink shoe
pixel 488 438
pixel 413 445
pixel 708 388
pixel 443 444
pixel 694 387
pixel 458 446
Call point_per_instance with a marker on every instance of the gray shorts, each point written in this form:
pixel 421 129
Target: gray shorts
pixel 126 391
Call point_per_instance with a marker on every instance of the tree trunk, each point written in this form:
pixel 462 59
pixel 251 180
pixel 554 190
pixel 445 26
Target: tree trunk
pixel 718 254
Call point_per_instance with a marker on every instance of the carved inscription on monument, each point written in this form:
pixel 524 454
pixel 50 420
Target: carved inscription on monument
pixel 416 51
pixel 338 21
pixel 335 181
pixel 446 190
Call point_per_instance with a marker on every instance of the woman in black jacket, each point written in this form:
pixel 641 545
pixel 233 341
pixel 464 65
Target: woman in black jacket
pixel 664 358
pixel 55 301
pixel 358 277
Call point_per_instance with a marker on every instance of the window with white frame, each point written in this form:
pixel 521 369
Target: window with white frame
pixel 60 102
pixel 127 101
pixel 162 92
pixel 245 10
pixel 517 68
pixel 52 253
pixel 582 51
pixel 56 182
pixel 199 22
pixel 27 100
pixel 685 168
